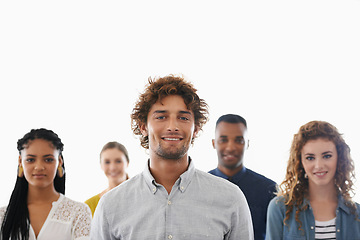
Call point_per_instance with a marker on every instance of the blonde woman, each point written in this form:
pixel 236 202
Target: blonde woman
pixel 314 200
pixel 114 160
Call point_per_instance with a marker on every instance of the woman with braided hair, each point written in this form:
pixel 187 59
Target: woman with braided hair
pixel 38 208
pixel 314 202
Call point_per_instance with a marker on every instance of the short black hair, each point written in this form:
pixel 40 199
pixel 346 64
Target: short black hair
pixel 231 118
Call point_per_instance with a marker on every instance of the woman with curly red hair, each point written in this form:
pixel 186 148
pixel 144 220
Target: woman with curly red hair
pixel 314 201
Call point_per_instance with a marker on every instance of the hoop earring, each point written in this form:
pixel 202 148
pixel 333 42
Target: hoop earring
pixel 20 171
pixel 60 171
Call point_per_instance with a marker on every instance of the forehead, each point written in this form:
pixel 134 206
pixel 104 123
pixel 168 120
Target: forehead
pixel 172 103
pixel 112 152
pixel 230 129
pixel 39 145
pixel 319 145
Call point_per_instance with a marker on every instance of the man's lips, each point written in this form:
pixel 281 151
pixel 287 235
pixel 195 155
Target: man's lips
pixel 172 138
pixel 229 157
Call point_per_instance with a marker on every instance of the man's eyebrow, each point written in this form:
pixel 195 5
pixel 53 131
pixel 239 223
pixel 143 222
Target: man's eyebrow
pixel 185 112
pixel 159 111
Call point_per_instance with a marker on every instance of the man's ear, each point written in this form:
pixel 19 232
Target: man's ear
pixel 19 159
pixel 143 129
pixel 196 132
pixel 213 143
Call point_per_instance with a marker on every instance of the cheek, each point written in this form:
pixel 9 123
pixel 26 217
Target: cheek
pixel 104 168
pixel 305 166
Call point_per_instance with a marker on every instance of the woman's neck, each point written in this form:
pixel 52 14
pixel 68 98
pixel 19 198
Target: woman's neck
pixel 323 200
pixel 39 195
pixel 322 193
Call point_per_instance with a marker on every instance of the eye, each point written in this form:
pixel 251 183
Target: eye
pixel 310 158
pixel 30 160
pixel 49 160
pixel 184 118
pixel 118 161
pixel 240 141
pixel 222 140
pixel 327 156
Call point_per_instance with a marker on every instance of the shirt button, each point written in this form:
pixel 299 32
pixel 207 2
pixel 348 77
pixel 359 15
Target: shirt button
pixel 170 237
pixel 182 188
pixel 312 227
pixel 169 202
pixel 338 230
pixel 154 190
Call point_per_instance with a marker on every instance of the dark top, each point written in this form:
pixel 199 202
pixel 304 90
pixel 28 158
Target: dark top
pixel 258 191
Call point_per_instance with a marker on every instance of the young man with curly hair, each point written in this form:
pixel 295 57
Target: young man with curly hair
pixel 171 199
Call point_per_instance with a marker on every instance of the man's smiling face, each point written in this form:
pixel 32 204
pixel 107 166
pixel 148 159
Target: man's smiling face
pixel 170 128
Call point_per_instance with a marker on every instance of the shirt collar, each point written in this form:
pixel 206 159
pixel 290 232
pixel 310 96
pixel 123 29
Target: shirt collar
pixel 341 204
pixel 235 178
pixel 183 181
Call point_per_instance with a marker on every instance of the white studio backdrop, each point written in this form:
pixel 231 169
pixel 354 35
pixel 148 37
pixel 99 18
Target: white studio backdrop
pixel 77 67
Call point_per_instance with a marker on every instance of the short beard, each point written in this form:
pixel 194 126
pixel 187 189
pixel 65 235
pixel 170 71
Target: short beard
pixel 172 155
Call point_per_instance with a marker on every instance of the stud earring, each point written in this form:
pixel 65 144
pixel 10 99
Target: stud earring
pixel 20 171
pixel 305 176
pixel 60 171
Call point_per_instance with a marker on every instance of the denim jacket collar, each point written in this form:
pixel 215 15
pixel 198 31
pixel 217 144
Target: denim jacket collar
pixel 341 204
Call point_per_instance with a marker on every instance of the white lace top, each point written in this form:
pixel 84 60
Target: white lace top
pixel 67 220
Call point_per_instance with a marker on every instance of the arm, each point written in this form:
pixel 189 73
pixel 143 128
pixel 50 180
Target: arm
pixel 241 223
pixel 275 220
pixel 82 223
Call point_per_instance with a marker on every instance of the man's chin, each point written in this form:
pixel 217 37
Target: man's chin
pixel 172 155
pixel 230 166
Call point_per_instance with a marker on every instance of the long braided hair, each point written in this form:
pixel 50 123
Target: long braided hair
pixel 16 220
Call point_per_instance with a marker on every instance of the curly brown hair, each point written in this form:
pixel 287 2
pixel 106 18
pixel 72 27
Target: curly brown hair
pixel 159 88
pixel 295 186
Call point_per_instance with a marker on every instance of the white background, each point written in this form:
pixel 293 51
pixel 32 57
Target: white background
pixel 77 67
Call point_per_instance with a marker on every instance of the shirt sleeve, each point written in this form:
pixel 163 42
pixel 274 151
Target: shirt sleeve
pixel 82 223
pixel 241 226
pixel 275 220
pixel 100 228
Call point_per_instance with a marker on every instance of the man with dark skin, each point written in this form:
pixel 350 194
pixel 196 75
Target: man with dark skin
pixel 230 142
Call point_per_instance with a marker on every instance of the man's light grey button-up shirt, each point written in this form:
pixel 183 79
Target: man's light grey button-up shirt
pixel 199 206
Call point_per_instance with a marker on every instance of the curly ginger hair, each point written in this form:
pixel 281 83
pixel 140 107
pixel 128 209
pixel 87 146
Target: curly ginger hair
pixel 295 186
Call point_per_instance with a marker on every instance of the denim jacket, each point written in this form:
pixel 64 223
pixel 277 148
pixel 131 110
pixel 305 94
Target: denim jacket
pixel 347 227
